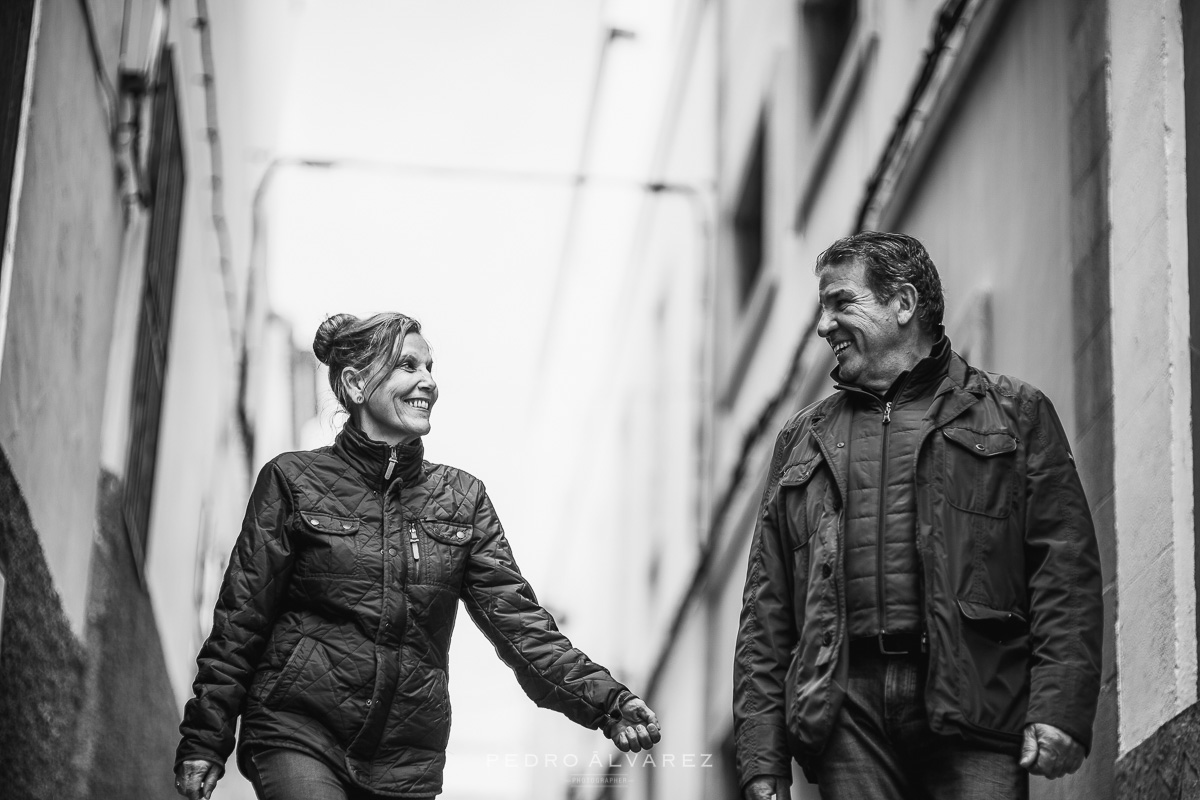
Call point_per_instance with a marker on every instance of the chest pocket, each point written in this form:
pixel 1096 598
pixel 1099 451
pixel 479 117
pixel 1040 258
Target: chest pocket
pixel 802 490
pixel 979 471
pixel 327 544
pixel 444 547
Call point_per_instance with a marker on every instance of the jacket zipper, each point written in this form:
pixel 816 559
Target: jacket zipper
pixel 416 549
pixel 879 556
pixel 392 460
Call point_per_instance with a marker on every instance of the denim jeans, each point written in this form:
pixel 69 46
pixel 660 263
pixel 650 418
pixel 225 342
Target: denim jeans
pixel 881 747
pixel 281 774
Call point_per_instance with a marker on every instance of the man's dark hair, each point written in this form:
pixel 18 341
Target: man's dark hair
pixel 889 260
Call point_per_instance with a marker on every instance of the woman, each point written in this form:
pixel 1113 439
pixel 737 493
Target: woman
pixel 331 631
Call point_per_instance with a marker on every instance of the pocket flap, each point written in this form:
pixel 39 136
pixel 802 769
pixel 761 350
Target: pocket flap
pixel 455 533
pixel 329 524
pixel 992 443
pixel 981 613
pixel 799 474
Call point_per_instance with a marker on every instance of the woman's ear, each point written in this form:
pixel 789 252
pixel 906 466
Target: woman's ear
pixel 355 386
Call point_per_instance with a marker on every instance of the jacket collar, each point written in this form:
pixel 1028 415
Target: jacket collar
pixel 960 388
pixel 373 458
pixel 924 376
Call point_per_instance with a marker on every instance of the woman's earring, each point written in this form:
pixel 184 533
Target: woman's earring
pixel 358 399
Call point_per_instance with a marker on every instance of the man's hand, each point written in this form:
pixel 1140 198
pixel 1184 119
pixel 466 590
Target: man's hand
pixel 1049 751
pixel 195 780
pixel 637 729
pixel 767 787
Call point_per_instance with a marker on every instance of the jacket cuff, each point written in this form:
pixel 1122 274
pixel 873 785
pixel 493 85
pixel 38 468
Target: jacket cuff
pixel 614 709
pixel 1066 699
pixel 761 750
pixel 190 751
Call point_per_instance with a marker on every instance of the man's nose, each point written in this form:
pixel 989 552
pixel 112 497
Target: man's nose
pixel 825 324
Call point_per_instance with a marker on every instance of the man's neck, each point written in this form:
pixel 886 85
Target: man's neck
pixel 903 360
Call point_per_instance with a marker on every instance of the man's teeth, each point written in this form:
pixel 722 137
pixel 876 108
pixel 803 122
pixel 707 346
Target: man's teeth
pixel 840 346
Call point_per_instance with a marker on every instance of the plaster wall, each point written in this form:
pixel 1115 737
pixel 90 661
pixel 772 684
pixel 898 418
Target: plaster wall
pixel 993 205
pixel 65 272
pixel 1156 630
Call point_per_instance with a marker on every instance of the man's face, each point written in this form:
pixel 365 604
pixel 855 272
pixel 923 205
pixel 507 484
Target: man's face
pixel 863 332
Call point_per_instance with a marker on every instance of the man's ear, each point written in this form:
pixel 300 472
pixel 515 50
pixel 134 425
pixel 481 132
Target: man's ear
pixel 906 299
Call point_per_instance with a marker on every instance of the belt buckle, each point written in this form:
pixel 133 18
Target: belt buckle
pixel 884 650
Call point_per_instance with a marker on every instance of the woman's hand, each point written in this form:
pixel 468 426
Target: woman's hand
pixel 636 729
pixel 195 779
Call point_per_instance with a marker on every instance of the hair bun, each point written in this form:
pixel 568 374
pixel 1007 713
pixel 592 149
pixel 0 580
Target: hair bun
pixel 327 332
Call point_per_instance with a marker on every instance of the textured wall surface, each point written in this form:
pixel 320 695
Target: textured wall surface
pixel 95 720
pixel 42 664
pixel 1167 765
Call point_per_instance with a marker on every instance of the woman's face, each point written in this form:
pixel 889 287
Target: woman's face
pixel 397 410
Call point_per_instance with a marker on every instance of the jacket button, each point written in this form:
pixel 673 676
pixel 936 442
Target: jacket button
pixel 316 522
pixel 980 447
pixel 368 702
pixel 827 639
pixel 841 444
pixel 826 571
pixel 461 534
pixel 391 551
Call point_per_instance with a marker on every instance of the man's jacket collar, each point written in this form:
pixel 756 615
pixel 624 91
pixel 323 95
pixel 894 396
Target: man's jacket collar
pixel 374 459
pixel 960 388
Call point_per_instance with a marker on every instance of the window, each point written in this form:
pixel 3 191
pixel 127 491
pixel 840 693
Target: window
pixel 749 230
pixel 826 26
pixel 166 181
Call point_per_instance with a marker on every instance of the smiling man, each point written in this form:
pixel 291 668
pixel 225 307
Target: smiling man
pixel 922 614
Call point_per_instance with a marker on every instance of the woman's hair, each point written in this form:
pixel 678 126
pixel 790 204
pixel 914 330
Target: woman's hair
pixel 370 345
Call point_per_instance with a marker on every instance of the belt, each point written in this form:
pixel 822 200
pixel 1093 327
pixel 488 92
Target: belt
pixel 890 644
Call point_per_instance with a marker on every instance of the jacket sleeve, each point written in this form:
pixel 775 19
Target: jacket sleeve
pixel 765 639
pixel 249 602
pixel 549 668
pixel 1062 562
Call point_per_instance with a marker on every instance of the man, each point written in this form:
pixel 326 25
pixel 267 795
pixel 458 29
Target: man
pixel 922 614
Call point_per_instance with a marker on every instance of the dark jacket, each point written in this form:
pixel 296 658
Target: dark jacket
pixel 333 623
pixel 1010 574
pixel 883 568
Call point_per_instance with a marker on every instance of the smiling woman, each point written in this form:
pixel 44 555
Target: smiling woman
pixel 332 629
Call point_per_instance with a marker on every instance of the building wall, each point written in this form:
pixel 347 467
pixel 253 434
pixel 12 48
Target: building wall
pixel 1159 720
pixel 67 257
pixel 99 647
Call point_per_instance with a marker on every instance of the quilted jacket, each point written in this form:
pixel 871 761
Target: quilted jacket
pixel 1010 578
pixel 333 622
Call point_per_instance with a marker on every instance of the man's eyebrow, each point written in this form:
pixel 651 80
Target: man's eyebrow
pixel 836 293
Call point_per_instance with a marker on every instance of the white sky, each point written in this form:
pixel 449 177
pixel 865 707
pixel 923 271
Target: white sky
pixel 388 86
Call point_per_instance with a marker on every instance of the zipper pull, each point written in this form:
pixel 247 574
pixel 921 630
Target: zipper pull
pixel 887 412
pixel 412 540
pixel 391 464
